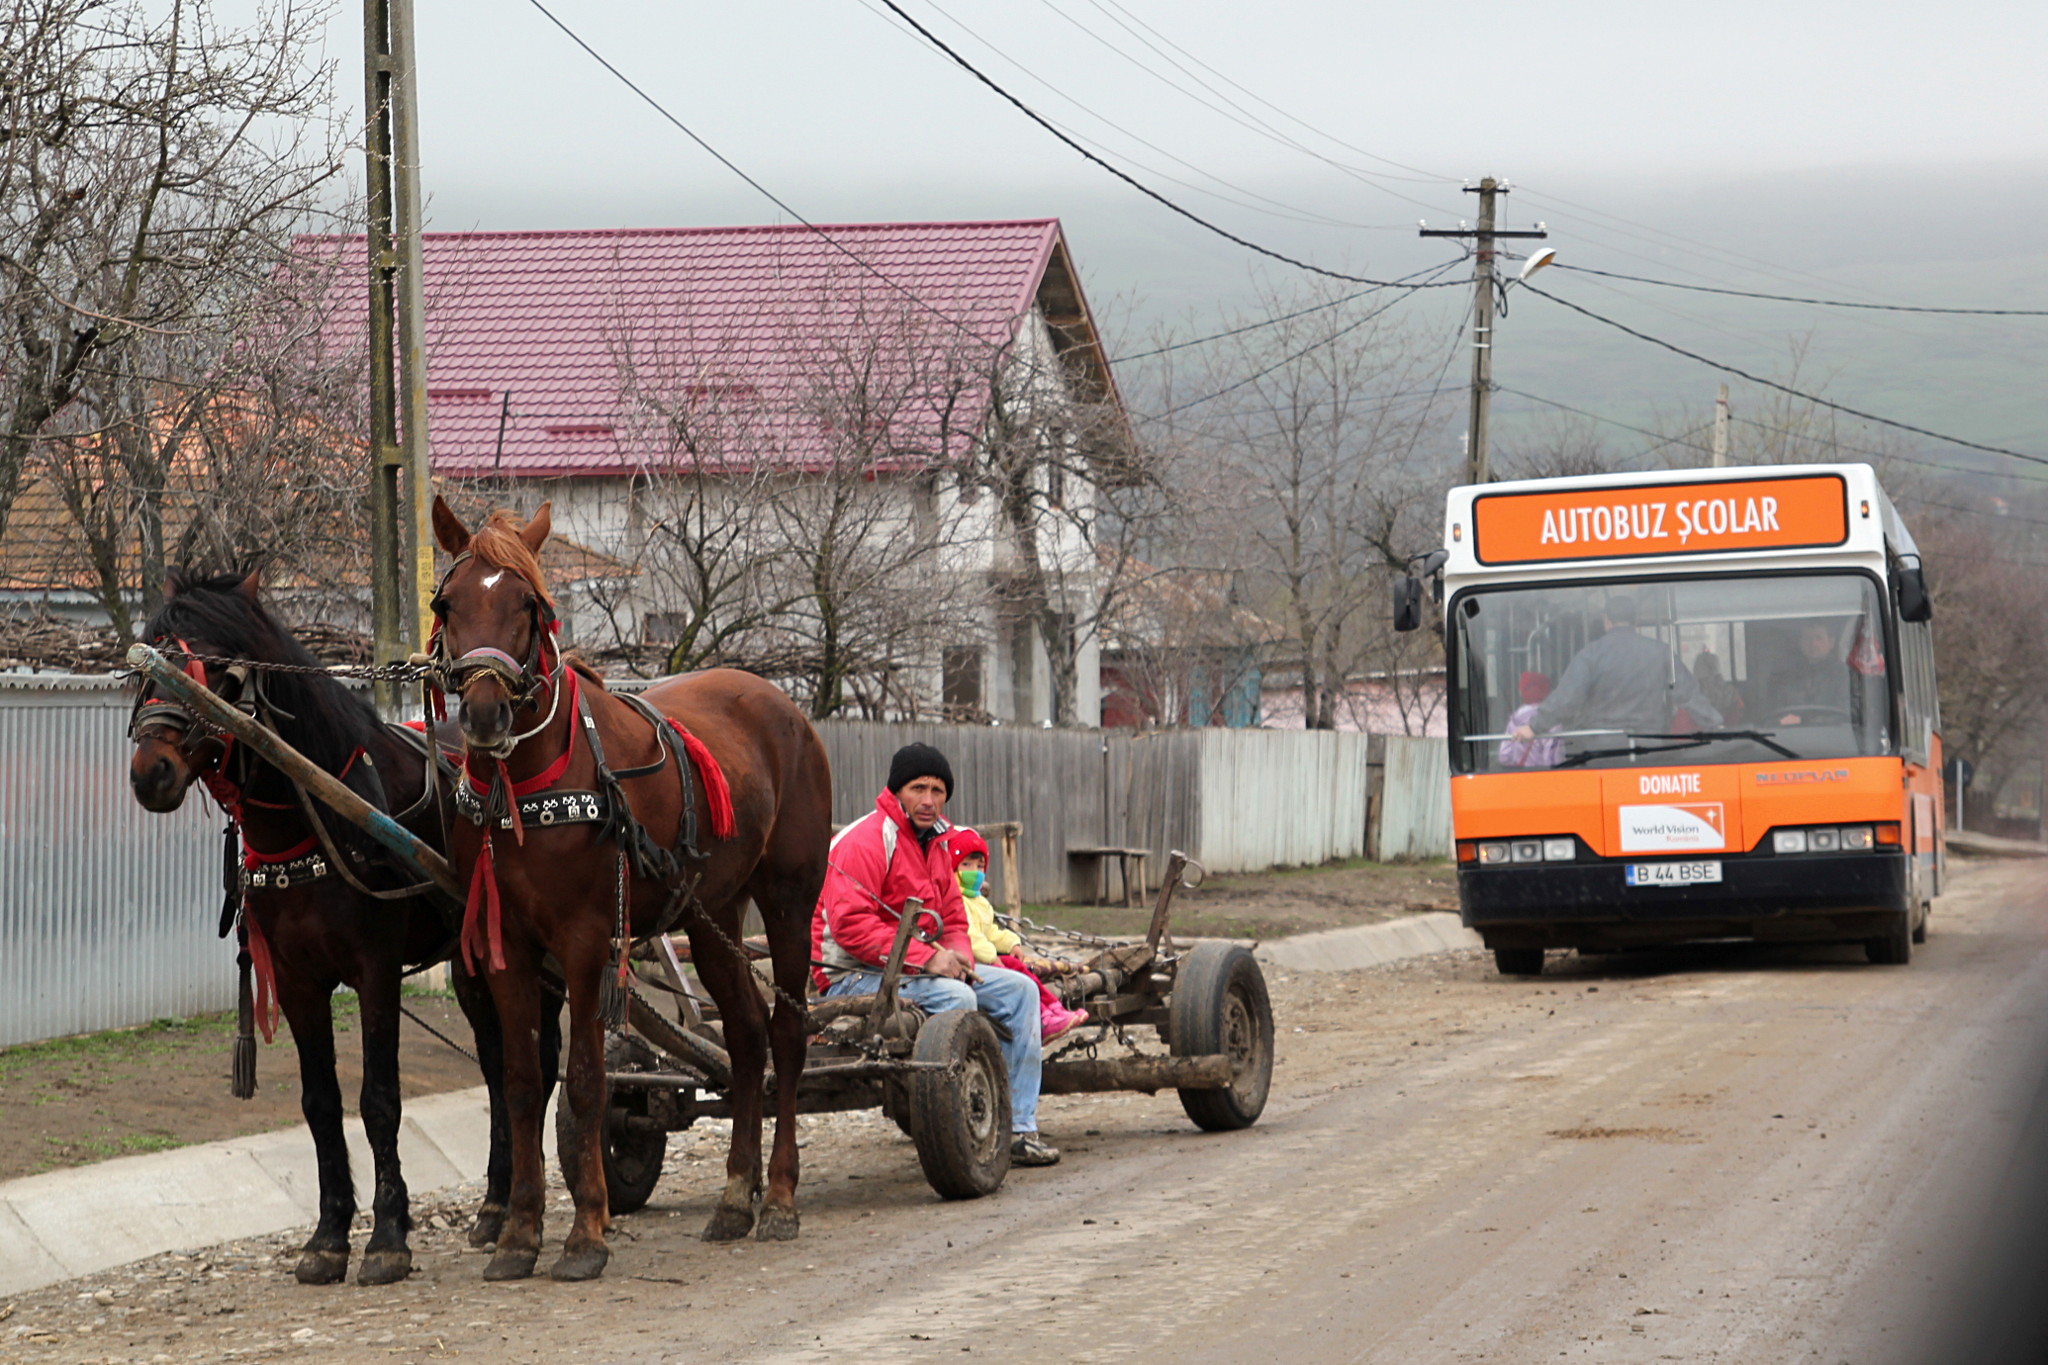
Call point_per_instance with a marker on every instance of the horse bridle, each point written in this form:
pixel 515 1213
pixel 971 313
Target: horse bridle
pixel 522 680
pixel 174 722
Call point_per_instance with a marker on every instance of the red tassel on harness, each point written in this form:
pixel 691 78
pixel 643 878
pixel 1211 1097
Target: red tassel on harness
pixel 717 795
pixel 266 978
pixel 483 938
pixel 512 803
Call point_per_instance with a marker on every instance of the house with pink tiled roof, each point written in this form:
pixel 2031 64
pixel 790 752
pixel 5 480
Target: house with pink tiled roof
pixel 650 382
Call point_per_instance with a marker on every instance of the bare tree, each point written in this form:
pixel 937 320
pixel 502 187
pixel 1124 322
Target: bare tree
pixel 1321 475
pixel 153 169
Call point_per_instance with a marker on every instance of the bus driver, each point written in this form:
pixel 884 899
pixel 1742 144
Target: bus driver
pixel 1620 682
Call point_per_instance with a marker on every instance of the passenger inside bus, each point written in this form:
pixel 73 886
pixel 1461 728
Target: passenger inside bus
pixel 1623 681
pixel 1725 695
pixel 1812 685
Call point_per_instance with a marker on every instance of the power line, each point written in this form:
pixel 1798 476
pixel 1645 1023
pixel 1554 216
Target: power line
pixel 1120 173
pixel 1234 113
pixel 1283 317
pixel 757 186
pixel 1279 209
pixel 1420 175
pixel 1408 291
pixel 1662 440
pixel 1817 303
pixel 1785 388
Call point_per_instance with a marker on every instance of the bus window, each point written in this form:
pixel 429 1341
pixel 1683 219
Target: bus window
pixel 1697 670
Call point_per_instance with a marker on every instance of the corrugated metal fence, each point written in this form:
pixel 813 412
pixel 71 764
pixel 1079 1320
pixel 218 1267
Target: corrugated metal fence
pixel 107 913
pixel 1415 809
pixel 1239 800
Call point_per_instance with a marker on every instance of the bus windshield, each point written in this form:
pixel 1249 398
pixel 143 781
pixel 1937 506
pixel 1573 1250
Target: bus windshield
pixel 1695 670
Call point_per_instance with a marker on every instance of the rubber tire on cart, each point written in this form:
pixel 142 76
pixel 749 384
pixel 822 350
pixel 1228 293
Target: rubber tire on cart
pixel 896 1104
pixel 1220 1004
pixel 632 1156
pixel 1894 947
pixel 1518 961
pixel 959 1110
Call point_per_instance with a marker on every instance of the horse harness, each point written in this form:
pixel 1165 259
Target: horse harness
pixel 510 806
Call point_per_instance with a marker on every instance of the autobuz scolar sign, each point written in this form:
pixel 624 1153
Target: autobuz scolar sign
pixel 1722 517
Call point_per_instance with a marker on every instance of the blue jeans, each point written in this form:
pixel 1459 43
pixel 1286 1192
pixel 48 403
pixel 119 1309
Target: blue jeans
pixel 1009 997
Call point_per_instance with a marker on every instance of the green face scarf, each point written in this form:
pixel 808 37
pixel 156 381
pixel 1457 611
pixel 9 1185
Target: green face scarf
pixel 970 882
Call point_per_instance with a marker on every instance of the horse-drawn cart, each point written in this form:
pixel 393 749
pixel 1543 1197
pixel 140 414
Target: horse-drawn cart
pixel 941 1077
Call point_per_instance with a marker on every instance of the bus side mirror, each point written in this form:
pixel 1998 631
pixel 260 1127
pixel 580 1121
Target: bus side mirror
pixel 1407 603
pixel 1911 582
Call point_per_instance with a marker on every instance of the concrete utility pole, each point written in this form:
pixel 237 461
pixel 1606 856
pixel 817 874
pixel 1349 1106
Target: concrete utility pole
pixel 1721 428
pixel 401 486
pixel 1477 464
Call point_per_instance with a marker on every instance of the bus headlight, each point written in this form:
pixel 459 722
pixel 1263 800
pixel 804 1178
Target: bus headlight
pixel 1495 851
pixel 1560 850
pixel 1833 838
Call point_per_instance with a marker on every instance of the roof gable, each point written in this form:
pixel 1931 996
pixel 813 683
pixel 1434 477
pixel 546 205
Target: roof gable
pixel 788 337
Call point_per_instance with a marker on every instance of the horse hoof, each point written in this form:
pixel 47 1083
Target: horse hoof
pixel 729 1224
pixel 585 1264
pixel 777 1225
pixel 321 1267
pixel 511 1265
pixel 490 1221
pixel 384 1267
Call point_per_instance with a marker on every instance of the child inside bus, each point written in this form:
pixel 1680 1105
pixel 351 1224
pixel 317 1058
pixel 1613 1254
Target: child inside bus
pixel 997 946
pixel 1530 753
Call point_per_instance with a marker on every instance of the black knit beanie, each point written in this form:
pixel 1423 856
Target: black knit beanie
pixel 913 761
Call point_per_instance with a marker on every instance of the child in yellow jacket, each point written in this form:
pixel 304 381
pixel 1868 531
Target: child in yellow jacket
pixel 995 945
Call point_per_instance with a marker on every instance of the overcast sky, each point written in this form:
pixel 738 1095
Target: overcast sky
pixel 1879 149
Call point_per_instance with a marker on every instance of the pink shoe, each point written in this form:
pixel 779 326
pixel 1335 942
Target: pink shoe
pixel 1055 1020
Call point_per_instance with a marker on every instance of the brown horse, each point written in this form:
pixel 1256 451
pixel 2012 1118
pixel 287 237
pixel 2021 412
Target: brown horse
pixel 307 927
pixel 671 843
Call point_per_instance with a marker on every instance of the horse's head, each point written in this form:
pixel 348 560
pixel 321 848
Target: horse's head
pixel 173 748
pixel 494 624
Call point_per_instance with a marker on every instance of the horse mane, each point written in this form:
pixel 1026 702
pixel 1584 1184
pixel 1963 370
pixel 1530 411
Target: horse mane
pixel 326 723
pixel 497 543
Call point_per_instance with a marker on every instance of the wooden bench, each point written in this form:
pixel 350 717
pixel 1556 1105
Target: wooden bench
pixel 1088 872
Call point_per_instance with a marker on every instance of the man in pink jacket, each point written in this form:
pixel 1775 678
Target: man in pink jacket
pixel 896 852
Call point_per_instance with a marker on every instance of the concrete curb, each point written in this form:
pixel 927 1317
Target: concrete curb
pixel 1369 945
pixel 75 1222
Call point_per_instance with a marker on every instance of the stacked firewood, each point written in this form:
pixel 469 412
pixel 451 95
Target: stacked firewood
pixel 43 643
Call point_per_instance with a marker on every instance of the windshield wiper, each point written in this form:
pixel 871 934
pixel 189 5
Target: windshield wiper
pixel 1694 740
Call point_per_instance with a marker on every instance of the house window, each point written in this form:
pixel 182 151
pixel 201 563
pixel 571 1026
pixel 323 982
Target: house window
pixel 961 686
pixel 662 627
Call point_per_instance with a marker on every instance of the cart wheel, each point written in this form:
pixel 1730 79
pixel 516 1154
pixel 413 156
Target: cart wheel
pixel 633 1145
pixel 896 1104
pixel 960 1117
pixel 1220 1005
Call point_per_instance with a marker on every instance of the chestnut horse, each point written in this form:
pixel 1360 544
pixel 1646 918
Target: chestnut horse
pixel 670 843
pixel 308 929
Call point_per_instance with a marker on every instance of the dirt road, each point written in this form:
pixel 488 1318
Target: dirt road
pixel 1719 1154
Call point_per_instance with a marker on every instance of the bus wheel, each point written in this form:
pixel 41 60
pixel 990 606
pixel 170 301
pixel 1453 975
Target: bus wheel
pixel 1920 929
pixel 1518 961
pixel 1894 947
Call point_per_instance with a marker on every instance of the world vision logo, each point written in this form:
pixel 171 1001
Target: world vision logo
pixel 1673 828
pixel 1797 778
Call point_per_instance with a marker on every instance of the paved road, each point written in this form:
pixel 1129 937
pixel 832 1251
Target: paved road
pixel 1717 1154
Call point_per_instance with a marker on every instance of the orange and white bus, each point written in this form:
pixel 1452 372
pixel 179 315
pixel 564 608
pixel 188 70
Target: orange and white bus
pixel 1695 704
